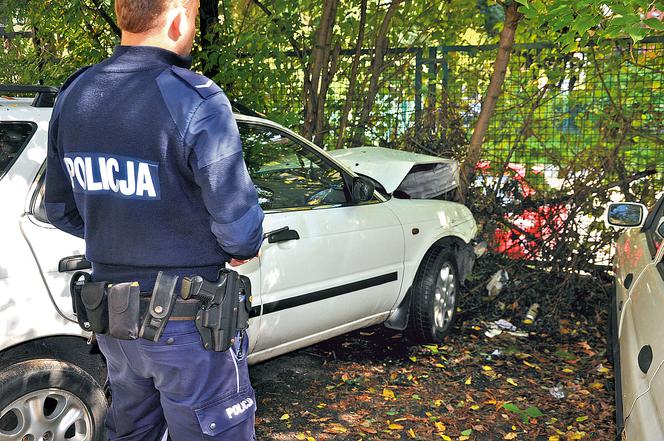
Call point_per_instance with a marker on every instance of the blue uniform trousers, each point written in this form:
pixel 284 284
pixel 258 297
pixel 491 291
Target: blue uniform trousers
pixel 176 384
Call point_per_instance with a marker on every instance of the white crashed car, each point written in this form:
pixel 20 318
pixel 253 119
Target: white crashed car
pixel 345 257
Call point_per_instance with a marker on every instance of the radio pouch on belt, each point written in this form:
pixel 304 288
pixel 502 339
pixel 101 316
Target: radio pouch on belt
pixel 124 310
pixel 93 296
pixel 161 305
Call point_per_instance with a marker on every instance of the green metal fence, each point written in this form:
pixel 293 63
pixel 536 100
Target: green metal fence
pixel 555 108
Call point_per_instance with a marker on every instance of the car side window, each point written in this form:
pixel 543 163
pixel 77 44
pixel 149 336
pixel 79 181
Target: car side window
pixel 38 207
pixel 286 173
pixel 14 136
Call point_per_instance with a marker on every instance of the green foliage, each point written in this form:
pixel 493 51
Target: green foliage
pixel 574 23
pixel 527 414
pixel 66 36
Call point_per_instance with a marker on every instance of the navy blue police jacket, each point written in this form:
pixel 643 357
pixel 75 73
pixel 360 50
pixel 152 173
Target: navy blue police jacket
pixel 145 163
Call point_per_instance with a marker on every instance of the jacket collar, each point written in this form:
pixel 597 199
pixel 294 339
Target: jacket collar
pixel 129 58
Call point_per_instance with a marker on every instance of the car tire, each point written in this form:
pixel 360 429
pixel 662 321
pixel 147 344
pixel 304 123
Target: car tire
pixel 435 296
pixel 50 399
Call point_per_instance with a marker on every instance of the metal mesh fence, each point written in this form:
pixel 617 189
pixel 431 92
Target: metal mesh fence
pixel 556 109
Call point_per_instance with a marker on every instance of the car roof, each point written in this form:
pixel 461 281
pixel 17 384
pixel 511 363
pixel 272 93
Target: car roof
pixel 8 101
pixel 21 109
pixel 24 105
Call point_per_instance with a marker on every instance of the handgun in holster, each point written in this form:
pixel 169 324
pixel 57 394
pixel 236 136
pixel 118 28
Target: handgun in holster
pixel 225 307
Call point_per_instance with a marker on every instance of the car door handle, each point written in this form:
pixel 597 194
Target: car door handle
pixel 74 263
pixel 282 235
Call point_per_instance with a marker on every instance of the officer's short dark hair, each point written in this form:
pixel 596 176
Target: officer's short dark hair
pixel 138 16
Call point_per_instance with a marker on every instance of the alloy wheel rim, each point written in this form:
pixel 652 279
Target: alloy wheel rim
pixel 444 297
pixel 46 415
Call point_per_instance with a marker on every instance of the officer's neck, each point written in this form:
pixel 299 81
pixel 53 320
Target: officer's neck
pixel 155 40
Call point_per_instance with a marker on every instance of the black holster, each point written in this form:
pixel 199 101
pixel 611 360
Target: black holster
pixel 223 312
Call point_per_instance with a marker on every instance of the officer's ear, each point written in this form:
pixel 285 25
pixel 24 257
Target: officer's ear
pixel 176 20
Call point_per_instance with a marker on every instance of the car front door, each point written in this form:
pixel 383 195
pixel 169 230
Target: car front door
pixel 338 266
pixel 642 333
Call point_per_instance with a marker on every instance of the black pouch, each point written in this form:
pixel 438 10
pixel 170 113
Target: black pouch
pixel 124 310
pixel 93 296
pixel 78 280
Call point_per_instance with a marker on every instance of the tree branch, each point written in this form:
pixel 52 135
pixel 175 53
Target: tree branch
pixel 291 39
pixel 345 112
pixel 99 10
pixel 378 64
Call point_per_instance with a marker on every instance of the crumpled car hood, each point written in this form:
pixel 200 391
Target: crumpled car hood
pixel 391 168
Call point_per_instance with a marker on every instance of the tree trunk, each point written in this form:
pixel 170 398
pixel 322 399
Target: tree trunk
pixel 209 15
pixel 320 59
pixel 377 65
pixel 345 112
pixel 322 125
pixel 512 17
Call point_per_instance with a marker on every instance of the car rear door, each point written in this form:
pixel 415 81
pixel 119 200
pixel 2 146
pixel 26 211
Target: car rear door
pixel 57 254
pixel 25 309
pixel 338 264
pixel 641 331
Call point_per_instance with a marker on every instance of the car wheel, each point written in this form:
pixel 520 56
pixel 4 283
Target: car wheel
pixel 50 400
pixel 435 296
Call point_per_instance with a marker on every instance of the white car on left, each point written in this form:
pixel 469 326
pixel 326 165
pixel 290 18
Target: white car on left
pixel 351 246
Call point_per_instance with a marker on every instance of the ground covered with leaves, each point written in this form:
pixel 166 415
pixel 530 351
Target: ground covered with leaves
pixel 547 381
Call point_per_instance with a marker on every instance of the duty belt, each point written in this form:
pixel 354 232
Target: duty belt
pixel 220 309
pixel 182 311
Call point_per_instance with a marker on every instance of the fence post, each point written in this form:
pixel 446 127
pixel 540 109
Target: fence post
pixel 433 76
pixel 418 87
pixel 444 66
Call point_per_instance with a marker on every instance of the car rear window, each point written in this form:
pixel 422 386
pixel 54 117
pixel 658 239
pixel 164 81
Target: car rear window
pixel 14 136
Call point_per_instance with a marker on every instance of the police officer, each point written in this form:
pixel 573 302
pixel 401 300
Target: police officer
pixel 145 163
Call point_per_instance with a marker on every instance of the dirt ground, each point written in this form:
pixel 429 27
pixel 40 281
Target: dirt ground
pixel 375 384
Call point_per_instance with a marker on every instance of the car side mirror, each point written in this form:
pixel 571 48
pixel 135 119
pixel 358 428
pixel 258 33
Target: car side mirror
pixel 363 190
pixel 626 215
pixel 660 229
